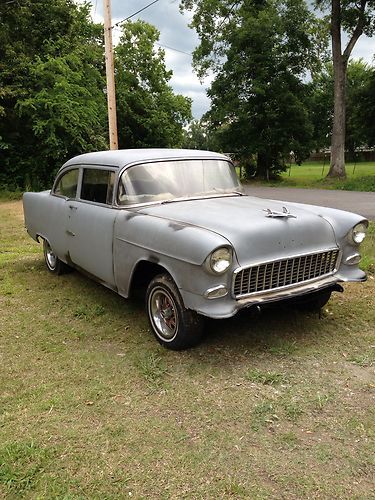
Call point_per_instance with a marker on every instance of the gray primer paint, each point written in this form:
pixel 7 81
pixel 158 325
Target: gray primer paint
pixel 108 242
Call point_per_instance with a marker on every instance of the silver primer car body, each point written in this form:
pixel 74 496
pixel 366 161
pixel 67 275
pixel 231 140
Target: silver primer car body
pixel 221 250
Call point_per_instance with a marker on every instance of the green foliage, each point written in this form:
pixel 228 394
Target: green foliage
pixel 199 136
pixel 249 166
pixel 351 14
pixel 66 111
pixel 366 107
pixel 366 183
pixel 149 113
pixel 345 19
pixel 360 106
pixel 51 88
pixel 260 53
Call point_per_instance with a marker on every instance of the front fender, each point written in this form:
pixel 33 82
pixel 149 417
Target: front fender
pixel 340 220
pixel 180 248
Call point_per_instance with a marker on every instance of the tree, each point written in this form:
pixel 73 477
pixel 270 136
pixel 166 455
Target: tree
pixel 359 76
pixel 354 18
pixel 51 88
pixel 367 111
pixel 259 52
pixel 149 113
pixel 199 136
pixel 357 86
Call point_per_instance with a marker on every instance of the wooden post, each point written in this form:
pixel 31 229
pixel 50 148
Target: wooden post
pixel 110 73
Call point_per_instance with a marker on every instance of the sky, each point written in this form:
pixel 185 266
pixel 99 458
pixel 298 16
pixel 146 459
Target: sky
pixel 175 33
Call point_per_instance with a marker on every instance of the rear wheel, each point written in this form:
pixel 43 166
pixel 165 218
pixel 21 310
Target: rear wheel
pixel 174 326
pixel 315 301
pixel 53 263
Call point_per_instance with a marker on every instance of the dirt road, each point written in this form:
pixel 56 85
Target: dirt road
pixel 359 202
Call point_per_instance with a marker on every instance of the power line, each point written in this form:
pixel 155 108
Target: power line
pixel 135 13
pixel 116 26
pixel 171 48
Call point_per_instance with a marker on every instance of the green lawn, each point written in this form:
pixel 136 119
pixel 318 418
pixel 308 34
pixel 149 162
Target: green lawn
pixel 274 406
pixel 360 177
pixel 313 171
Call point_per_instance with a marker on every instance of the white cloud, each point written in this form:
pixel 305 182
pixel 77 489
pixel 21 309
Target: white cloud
pixel 364 49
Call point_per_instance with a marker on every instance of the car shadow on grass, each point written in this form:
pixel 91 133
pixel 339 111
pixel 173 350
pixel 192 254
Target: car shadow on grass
pixel 278 330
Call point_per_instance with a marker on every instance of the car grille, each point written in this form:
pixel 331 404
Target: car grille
pixel 286 272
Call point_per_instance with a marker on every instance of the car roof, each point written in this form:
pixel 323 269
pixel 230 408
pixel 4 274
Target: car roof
pixel 122 157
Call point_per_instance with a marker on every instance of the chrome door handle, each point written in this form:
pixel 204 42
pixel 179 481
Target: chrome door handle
pixel 70 233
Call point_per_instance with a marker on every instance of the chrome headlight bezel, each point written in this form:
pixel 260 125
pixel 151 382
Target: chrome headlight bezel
pixel 220 260
pixel 358 233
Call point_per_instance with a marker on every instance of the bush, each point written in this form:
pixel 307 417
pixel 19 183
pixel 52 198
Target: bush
pixel 366 183
pixel 10 194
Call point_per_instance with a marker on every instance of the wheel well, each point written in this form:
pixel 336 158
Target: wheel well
pixel 144 272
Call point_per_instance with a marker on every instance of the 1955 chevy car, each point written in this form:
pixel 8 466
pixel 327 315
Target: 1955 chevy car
pixel 179 222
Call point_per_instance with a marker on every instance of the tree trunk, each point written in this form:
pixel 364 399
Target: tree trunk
pixel 263 165
pixel 337 168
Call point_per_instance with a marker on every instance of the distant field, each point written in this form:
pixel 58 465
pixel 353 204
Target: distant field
pixel 273 406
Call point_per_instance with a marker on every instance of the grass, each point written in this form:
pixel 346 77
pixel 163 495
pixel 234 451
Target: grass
pixel 265 378
pixel 360 177
pixel 274 406
pixel 368 250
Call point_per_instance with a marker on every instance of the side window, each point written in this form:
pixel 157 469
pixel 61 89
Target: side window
pixel 97 185
pixel 67 185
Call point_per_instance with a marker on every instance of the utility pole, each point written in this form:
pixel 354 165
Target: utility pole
pixel 110 73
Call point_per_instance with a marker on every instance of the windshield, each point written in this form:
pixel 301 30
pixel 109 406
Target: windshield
pixel 168 180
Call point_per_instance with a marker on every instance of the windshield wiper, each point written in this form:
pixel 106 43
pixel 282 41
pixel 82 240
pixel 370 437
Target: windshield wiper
pixel 202 196
pixel 226 191
pixel 172 200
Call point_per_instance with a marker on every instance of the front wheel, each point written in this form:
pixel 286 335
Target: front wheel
pixel 53 263
pixel 174 326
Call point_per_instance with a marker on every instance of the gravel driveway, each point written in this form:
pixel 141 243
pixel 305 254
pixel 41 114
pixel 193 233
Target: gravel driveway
pixel 362 203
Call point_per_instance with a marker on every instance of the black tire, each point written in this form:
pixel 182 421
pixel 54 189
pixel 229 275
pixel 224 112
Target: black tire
pixel 53 263
pixel 314 301
pixel 174 326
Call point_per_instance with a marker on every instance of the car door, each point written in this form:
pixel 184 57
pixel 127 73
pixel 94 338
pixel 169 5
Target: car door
pixel 90 224
pixel 55 216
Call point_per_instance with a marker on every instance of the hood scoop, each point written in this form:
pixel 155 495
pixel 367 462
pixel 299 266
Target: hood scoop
pixel 275 214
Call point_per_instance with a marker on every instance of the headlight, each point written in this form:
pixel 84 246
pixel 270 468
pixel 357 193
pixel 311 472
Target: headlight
pixel 220 260
pixel 358 232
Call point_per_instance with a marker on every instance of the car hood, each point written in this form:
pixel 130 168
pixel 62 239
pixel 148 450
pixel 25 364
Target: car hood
pixel 245 222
